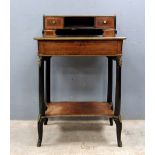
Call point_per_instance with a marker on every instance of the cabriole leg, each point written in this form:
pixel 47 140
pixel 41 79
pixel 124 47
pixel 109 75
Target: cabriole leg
pixel 40 131
pixel 41 100
pixel 118 131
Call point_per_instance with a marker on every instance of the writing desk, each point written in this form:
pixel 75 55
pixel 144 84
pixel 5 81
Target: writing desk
pixel 111 47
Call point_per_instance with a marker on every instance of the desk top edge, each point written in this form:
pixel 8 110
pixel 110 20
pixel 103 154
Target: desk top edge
pixel 79 15
pixel 81 38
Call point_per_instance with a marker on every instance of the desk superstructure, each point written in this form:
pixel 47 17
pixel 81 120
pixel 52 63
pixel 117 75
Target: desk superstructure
pixel 79 36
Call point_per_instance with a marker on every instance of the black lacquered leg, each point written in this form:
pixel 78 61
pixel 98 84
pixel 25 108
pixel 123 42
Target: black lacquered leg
pixel 48 79
pixel 118 131
pixel 48 96
pixel 41 101
pixel 40 132
pixel 41 88
pixel 46 121
pixel 111 121
pixel 118 87
pixel 110 83
pixel 118 100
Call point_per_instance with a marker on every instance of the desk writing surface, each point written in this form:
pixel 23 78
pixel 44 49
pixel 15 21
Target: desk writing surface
pixel 80 38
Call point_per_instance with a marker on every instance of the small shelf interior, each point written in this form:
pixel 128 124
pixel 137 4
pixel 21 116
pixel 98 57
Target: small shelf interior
pixel 79 21
pixel 79 32
pixel 79 109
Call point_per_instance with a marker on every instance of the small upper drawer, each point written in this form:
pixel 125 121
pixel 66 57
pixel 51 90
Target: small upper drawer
pixel 105 22
pixel 53 22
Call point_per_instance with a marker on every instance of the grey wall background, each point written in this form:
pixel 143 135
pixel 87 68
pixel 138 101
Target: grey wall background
pixel 75 78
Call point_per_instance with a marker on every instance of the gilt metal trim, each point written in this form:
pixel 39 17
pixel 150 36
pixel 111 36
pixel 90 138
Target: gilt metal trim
pixel 119 60
pixel 39 61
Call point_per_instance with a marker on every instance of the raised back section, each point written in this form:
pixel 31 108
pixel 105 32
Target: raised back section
pixel 55 26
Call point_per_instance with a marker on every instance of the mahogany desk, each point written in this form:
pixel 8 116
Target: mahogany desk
pixel 111 47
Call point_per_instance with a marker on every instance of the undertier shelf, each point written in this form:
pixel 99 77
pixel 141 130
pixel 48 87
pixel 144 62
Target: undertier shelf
pixel 79 109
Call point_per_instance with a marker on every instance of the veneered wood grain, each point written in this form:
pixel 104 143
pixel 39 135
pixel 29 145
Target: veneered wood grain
pixel 79 47
pixel 49 33
pixel 58 22
pixel 79 109
pixel 105 22
pixel 109 33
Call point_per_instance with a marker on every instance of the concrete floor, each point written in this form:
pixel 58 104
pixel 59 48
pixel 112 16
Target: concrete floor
pixel 77 138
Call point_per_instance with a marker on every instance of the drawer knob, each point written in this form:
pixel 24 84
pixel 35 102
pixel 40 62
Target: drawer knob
pixel 104 22
pixel 53 22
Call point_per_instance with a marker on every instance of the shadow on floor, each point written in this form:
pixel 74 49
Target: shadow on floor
pixel 69 132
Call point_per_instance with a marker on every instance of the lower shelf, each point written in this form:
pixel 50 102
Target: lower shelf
pixel 79 109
